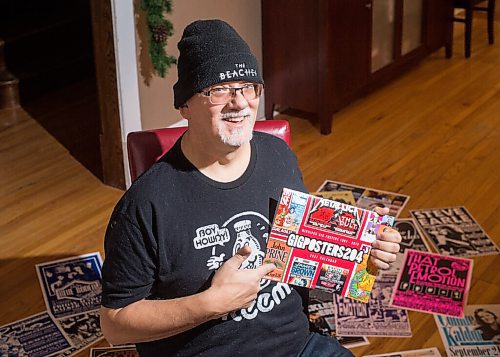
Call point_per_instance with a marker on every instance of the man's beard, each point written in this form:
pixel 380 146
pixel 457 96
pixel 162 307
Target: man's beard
pixel 237 136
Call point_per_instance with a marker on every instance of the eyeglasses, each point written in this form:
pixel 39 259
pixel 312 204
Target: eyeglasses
pixel 223 95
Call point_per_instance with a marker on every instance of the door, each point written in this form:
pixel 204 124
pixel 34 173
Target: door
pixel 350 48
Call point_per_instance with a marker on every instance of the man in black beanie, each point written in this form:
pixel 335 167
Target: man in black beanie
pixel 185 244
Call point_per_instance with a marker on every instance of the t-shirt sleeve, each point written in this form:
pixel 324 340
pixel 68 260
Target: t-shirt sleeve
pixel 128 270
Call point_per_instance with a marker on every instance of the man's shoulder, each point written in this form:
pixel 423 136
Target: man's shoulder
pixel 152 186
pixel 267 139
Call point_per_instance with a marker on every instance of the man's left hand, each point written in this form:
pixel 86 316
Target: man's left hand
pixel 385 247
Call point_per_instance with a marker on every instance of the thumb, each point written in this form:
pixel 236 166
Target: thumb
pixel 236 260
pixel 265 269
pixel 382 210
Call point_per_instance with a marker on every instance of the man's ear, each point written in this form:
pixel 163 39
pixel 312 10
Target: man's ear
pixel 185 113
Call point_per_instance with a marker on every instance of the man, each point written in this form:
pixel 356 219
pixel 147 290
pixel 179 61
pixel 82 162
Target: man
pixel 185 245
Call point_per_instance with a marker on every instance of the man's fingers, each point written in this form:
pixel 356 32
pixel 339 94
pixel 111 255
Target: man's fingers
pixel 386 246
pixel 382 210
pixel 379 263
pixel 265 269
pixel 384 256
pixel 236 260
pixel 389 235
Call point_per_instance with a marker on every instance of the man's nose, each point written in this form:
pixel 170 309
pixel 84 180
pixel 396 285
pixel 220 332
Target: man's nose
pixel 238 101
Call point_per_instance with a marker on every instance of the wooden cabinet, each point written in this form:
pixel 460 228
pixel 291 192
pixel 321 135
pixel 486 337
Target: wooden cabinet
pixel 320 55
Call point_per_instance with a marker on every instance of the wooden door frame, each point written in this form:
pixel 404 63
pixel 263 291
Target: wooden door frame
pixel 107 88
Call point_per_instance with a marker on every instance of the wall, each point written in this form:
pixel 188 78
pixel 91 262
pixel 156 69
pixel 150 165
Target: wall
pixel 155 93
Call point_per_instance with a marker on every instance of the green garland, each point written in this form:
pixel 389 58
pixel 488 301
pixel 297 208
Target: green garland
pixel 159 29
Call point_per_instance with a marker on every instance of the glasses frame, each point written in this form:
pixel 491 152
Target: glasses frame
pixel 258 88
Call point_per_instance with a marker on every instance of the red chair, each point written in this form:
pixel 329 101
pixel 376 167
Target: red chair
pixel 145 147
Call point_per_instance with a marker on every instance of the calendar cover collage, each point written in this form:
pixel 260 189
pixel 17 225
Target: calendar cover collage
pixel 323 244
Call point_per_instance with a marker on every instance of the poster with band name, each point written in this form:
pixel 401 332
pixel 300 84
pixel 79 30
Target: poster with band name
pixel 72 292
pixel 453 231
pixel 433 283
pixel 321 313
pixel 323 244
pixel 477 333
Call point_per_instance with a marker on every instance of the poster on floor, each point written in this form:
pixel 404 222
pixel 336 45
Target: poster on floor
pixel 433 283
pixel 71 286
pixel 34 336
pixel 322 317
pixel 339 196
pixel 72 292
pixel 376 318
pixel 119 351
pixel 424 352
pixel 453 231
pixel 369 198
pixel 477 333
pixel 411 238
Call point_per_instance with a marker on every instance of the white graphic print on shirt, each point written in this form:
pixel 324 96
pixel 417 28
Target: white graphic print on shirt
pixel 246 228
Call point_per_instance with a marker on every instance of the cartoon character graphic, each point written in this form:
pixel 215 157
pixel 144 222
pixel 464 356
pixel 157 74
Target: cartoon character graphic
pixel 244 237
pixel 362 281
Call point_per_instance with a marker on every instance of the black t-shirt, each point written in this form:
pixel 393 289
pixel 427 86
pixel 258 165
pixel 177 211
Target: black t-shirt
pixel 174 227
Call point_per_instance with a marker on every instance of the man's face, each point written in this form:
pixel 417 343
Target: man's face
pixel 231 123
pixel 486 317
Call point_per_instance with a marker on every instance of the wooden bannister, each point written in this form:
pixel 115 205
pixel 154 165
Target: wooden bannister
pixel 9 84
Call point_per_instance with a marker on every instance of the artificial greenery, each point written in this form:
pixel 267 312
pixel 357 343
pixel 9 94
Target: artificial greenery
pixel 159 29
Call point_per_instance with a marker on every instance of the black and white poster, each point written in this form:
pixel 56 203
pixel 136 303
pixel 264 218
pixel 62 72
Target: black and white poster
pixel 453 231
pixel 34 336
pixel 322 316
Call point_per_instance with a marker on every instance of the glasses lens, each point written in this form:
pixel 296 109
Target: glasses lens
pixel 223 95
pixel 220 95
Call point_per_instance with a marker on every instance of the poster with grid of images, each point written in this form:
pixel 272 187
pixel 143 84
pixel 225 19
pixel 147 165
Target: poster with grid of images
pixel 433 283
pixel 369 198
pixel 453 231
pixel 323 244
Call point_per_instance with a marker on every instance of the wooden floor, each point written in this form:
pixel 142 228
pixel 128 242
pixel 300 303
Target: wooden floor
pixel 434 134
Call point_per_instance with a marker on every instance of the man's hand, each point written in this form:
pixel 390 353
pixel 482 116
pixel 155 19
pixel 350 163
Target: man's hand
pixel 234 288
pixel 386 246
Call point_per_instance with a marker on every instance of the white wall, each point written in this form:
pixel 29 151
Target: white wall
pixel 126 73
pixel 156 94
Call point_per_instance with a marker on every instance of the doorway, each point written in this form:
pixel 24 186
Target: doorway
pixel 49 48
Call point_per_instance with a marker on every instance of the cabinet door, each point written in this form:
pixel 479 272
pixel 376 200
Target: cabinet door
pixel 383 33
pixel 349 39
pixel 412 25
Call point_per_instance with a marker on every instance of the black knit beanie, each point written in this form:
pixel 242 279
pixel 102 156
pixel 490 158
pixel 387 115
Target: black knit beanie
pixel 212 52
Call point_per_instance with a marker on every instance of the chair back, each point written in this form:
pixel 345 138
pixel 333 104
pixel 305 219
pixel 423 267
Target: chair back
pixel 145 147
